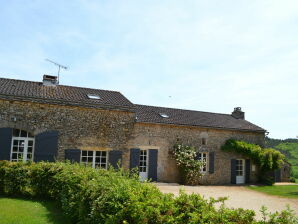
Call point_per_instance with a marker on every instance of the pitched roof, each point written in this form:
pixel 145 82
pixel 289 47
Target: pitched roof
pixel 12 89
pixel 151 114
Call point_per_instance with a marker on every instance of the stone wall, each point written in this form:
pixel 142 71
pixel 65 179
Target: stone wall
pixel 78 127
pixel 163 137
pixel 94 129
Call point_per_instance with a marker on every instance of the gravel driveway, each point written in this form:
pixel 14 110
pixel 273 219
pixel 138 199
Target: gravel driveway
pixel 239 196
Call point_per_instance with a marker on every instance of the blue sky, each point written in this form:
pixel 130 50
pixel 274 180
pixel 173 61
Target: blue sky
pixel 201 55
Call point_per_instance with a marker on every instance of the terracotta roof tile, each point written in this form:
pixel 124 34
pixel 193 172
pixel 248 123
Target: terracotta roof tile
pixel 60 94
pixel 151 114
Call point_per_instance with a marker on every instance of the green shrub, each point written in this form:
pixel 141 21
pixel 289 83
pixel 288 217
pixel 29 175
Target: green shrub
pixel 89 195
pixel 292 179
pixel 267 159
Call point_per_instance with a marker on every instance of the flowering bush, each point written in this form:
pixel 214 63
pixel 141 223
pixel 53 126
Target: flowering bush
pixel 189 165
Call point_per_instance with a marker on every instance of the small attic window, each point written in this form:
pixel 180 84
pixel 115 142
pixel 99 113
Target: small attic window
pixel 164 115
pixel 204 141
pixel 93 96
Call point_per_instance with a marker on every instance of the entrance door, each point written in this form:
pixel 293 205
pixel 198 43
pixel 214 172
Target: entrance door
pixel 143 166
pixel 240 178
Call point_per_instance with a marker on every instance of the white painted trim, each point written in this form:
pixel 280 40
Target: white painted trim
pixel 243 176
pixel 207 163
pixel 94 157
pixel 25 152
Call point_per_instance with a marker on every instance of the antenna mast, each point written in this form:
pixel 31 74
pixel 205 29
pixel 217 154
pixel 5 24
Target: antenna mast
pixel 58 65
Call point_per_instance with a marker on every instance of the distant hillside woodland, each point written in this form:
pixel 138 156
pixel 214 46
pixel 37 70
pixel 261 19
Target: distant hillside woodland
pixel 289 147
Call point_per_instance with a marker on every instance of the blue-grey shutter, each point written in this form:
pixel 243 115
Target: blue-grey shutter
pixel 73 155
pixel 5 143
pixel 277 175
pixel 211 162
pixel 134 158
pixel 46 146
pixel 115 157
pixel 233 171
pixel 247 171
pixel 152 172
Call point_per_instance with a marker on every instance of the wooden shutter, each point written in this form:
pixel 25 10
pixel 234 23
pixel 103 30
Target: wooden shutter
pixel 134 158
pixel 233 171
pixel 46 146
pixel 115 156
pixel 152 172
pixel 277 175
pixel 247 171
pixel 5 143
pixel 73 155
pixel 211 162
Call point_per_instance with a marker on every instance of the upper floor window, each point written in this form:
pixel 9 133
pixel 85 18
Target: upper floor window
pixel 95 159
pixel 22 147
pixel 204 141
pixel 203 157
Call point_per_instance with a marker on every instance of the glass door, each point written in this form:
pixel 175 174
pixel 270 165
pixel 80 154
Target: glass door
pixel 240 179
pixel 143 166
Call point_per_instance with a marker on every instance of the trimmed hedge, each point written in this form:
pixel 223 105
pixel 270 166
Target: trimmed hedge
pixel 88 195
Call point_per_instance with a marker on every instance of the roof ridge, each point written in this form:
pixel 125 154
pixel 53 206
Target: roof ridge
pixel 61 85
pixel 184 109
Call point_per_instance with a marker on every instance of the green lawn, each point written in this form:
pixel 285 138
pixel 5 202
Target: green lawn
pixel 289 191
pixel 26 211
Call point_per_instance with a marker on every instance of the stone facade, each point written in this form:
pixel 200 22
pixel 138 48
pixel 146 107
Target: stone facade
pixel 78 127
pixel 163 137
pixel 95 129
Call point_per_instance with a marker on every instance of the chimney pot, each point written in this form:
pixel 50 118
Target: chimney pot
pixel 50 80
pixel 238 113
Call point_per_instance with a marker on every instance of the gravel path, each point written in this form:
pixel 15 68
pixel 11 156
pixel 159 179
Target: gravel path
pixel 239 196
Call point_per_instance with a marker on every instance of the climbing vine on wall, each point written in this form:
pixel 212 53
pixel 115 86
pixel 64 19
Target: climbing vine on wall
pixel 186 159
pixel 266 158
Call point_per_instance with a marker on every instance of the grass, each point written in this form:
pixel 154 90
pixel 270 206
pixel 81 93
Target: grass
pixel 289 191
pixel 27 211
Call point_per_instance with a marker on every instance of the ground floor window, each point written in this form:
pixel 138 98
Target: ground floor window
pixel 22 147
pixel 143 161
pixel 203 157
pixel 95 159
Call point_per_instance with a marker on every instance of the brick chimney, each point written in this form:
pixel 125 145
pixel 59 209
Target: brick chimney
pixel 50 80
pixel 238 113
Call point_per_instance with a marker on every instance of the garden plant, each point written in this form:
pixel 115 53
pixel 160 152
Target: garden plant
pixel 88 195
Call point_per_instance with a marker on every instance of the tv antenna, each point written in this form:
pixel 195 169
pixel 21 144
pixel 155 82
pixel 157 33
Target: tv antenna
pixel 58 65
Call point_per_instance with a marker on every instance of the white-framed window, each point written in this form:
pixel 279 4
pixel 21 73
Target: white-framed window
pixel 143 161
pixel 22 146
pixel 203 157
pixel 239 167
pixel 95 159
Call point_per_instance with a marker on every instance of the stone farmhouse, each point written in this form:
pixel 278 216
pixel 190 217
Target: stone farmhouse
pixel 47 121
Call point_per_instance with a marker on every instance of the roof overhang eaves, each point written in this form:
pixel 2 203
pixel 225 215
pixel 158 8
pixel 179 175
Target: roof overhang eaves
pixel 201 126
pixel 68 103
